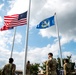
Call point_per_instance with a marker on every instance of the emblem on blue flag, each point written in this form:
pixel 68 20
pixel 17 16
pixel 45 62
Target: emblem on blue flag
pixel 46 23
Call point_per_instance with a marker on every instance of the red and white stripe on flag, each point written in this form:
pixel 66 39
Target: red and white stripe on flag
pixel 12 21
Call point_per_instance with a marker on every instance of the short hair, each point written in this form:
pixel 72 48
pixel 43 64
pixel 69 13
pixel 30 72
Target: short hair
pixel 67 60
pixel 50 54
pixel 28 61
pixel 11 60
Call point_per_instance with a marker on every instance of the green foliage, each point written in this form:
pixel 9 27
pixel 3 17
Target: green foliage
pixel 43 67
pixel 69 58
pixel 34 69
pixel 59 63
pixel 72 66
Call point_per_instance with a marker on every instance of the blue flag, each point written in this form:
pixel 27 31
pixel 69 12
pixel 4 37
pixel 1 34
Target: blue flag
pixel 46 23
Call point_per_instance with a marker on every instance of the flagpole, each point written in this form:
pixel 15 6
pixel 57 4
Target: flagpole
pixel 13 42
pixel 26 44
pixel 59 40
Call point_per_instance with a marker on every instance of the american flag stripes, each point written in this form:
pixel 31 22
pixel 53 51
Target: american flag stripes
pixel 14 20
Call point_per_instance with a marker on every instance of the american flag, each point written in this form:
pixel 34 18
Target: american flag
pixel 5 28
pixel 15 20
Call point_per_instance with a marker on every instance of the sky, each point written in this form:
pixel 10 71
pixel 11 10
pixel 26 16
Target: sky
pixel 40 41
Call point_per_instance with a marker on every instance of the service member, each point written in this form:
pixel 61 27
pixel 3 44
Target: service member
pixel 51 65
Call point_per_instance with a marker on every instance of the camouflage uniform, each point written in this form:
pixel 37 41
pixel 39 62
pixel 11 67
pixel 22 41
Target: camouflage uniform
pixel 51 67
pixel 67 69
pixel 28 69
pixel 9 69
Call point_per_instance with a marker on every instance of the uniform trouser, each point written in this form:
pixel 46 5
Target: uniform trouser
pixel 51 73
pixel 28 73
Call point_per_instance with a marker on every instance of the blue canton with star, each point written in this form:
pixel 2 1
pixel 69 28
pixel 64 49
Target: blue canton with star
pixel 23 15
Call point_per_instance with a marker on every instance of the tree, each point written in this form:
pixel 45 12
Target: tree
pixel 34 69
pixel 43 67
pixel 72 63
pixel 59 63
pixel 69 58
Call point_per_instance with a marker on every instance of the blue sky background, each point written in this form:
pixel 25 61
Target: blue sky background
pixel 43 41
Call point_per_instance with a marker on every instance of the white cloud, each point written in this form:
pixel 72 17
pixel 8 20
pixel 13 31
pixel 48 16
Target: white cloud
pixel 1 19
pixel 66 17
pixel 11 3
pixel 5 46
pixel 66 53
pixel 48 32
pixel 18 38
pixel 44 9
pixel 6 38
pixel 1 6
pixel 41 54
pixel 18 7
pixel 35 55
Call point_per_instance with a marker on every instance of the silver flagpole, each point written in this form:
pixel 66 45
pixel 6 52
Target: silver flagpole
pixel 27 33
pixel 57 29
pixel 13 42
